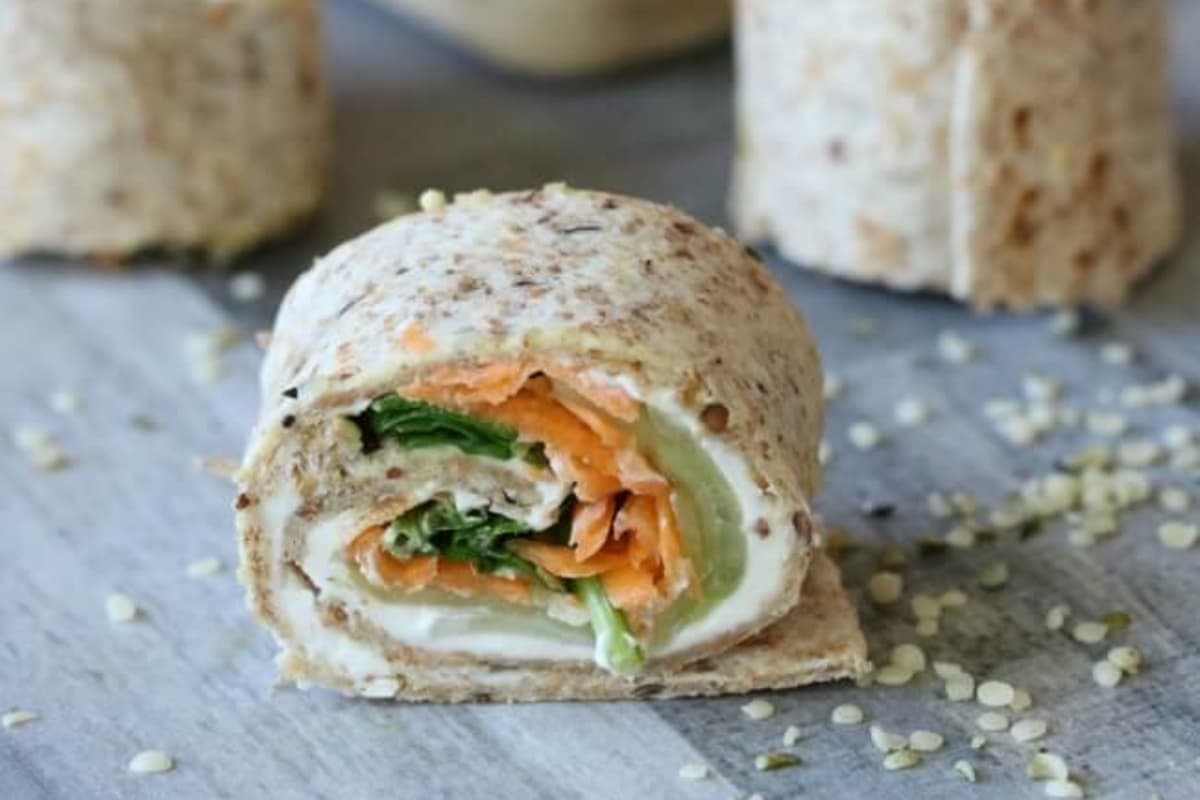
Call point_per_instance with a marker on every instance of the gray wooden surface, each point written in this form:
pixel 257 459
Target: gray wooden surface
pixel 193 674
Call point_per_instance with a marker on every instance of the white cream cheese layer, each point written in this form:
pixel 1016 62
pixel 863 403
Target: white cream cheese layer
pixel 437 622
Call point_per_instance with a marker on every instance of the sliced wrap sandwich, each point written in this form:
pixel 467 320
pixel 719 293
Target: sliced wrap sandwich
pixel 1011 153
pixel 181 125
pixel 550 444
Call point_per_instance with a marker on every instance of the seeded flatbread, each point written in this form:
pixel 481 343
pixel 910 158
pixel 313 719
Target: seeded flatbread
pixel 636 294
pixel 1007 152
pixel 135 124
pixel 817 642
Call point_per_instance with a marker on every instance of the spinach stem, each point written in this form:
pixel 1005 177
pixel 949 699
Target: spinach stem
pixel 616 646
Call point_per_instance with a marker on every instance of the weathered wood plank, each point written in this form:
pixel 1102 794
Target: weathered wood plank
pixel 192 676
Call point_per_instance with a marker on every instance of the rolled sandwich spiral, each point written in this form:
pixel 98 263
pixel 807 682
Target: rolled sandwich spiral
pixel 552 443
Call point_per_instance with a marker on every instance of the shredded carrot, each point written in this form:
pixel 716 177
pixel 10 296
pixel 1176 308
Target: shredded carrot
pixel 560 561
pixel 639 519
pixel 634 472
pixel 590 525
pixel 636 549
pixel 365 542
pixel 572 445
pixel 412 574
pixel 463 579
pixel 457 386
pixel 677 570
pixel 611 398
pixel 630 589
pixel 414 337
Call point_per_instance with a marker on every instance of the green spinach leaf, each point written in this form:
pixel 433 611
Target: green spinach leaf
pixel 414 424
pixel 478 536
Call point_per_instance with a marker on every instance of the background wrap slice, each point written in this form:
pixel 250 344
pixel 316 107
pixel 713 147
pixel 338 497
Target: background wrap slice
pixel 541 444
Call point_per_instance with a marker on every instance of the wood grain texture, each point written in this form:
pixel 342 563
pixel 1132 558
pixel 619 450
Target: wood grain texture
pixel 193 675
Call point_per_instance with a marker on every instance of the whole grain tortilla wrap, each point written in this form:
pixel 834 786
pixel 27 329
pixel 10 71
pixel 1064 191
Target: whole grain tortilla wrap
pixel 1007 152
pixel 541 445
pixel 177 124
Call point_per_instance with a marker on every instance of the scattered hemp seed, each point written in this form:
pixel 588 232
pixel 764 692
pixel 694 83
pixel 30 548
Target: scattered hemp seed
pixel 1127 659
pixel 1047 766
pixel 203 568
pixel 912 412
pixel 204 350
pixel 865 436
pixel 864 327
pixel 847 714
pixel 1040 388
pixel 996 694
pixel 953 598
pixel 927 628
pixel 1167 392
pixel 1187 458
pixel 1028 730
pixel 965 769
pixel 925 741
pixel 939 506
pixel 901 759
pixel 954 349
pixel 992 721
pixel 758 710
pixel 884 588
pixel 947 669
pixel 994 576
pixel 893 675
pixel 432 200
pixel 885 741
pixel 908 656
pixel 961 537
pixel 120 608
pixel 926 606
pixel 1118 354
pixel 40 448
pixel 1139 453
pixel 1064 323
pixel 1107 674
pixel 833 386
pixel 149 762
pixel 1178 535
pixel 246 287
pixel 1021 701
pixel 380 688
pixel 1174 500
pixel 695 772
pixel 1090 632
pixel 11 719
pixel 1063 788
pixel 978 741
pixel 825 453
pixel 1105 423
pixel 1177 437
pixel 65 401
pixel 791 736
pixel 960 688
pixel 769 762
pixel 221 467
